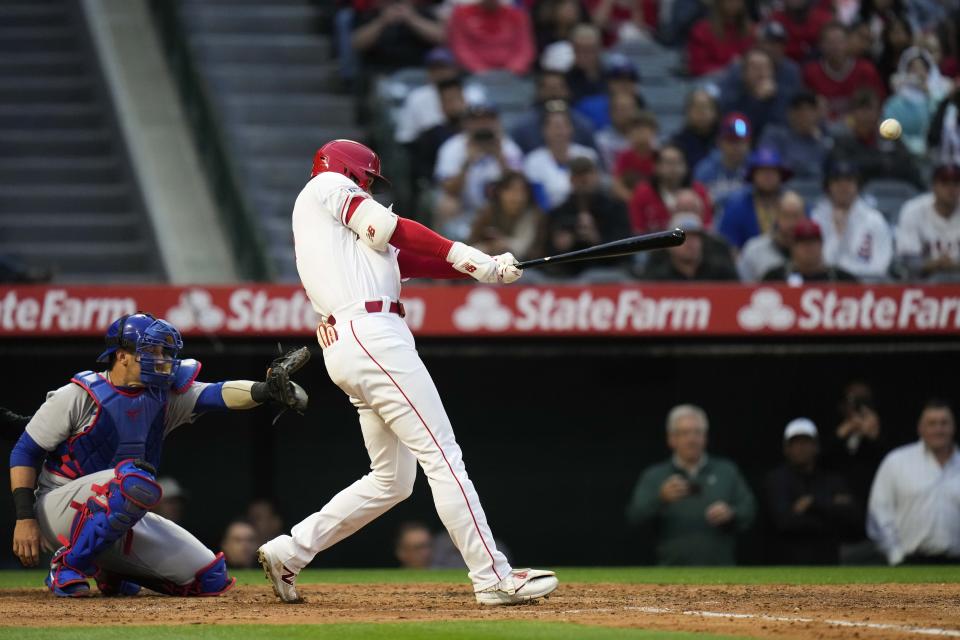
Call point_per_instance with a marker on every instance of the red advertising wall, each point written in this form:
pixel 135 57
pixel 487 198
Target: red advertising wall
pixel 609 310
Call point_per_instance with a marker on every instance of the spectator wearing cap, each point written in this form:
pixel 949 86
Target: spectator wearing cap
pixel 856 237
pixel 697 503
pixel 395 34
pixel 801 142
pixel 701 122
pixel 724 171
pixel 771 39
pixel 811 510
pixel 914 513
pixel 466 164
pixel 720 38
pixel 688 262
pixel 806 260
pixel 877 158
pixel 553 94
pixel 803 21
pixel 621 78
pixel 511 222
pixel 421 109
pixel 489 35
pixel 837 75
pixel 589 216
pixel 758 96
pixel 548 167
pixel 585 77
pixel 612 139
pixel 652 201
pixel 173 501
pixel 635 163
pixel 771 250
pixel 928 231
pixel 750 211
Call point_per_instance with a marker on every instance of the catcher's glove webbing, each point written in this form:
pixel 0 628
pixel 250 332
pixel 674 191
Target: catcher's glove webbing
pixel 278 389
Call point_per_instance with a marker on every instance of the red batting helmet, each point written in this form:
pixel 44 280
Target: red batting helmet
pixel 352 159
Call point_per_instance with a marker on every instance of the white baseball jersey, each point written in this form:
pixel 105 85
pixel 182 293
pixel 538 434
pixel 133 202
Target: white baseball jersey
pixel 864 248
pixel 924 232
pixel 336 269
pixel 372 357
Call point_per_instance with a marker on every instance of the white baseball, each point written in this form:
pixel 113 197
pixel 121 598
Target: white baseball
pixel 890 129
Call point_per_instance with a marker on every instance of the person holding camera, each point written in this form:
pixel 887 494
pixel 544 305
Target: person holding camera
pixel 466 164
pixel 698 503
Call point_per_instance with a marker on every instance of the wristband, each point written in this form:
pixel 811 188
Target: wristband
pixel 23 501
pixel 259 392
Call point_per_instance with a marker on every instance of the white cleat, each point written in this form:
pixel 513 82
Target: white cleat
pixel 522 585
pixel 283 579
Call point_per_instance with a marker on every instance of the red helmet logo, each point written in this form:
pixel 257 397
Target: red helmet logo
pixel 354 160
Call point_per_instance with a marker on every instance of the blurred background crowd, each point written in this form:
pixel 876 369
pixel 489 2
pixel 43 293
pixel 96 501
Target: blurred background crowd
pixel 542 126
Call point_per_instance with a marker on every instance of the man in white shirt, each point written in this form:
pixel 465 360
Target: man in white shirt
pixel 467 163
pixel 914 512
pixel 856 237
pixel 421 108
pixel 771 250
pixel 548 167
pixel 928 234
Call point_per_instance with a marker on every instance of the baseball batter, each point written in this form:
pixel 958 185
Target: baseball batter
pixel 99 440
pixel 351 256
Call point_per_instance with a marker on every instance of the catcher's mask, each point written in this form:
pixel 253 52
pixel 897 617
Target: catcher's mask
pixel 155 344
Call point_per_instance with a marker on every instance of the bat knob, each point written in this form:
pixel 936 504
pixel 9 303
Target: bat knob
pixel 679 235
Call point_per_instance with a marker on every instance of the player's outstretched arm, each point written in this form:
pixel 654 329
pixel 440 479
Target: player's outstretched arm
pixel 376 226
pixel 276 389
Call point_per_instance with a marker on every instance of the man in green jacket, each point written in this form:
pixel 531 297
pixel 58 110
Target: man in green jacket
pixel 697 503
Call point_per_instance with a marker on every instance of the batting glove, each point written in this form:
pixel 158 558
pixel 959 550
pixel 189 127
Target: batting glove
pixel 507 270
pixel 475 263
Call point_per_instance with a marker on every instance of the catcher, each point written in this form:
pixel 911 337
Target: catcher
pixel 99 439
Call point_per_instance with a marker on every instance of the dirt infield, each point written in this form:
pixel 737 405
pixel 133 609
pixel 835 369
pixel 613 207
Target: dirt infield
pixel 762 611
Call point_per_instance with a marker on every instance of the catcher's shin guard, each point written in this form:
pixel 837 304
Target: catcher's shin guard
pixel 105 518
pixel 211 580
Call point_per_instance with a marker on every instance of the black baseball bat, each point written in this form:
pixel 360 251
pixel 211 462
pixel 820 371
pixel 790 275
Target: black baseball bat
pixel 617 248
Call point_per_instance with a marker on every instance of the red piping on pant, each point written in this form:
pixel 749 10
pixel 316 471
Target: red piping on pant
pixel 493 562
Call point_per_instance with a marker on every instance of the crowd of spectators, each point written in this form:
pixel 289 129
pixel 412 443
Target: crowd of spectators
pixel 838 496
pixel 783 103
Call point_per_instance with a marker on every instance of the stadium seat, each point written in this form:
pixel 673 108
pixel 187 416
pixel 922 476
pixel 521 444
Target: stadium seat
pixel 889 195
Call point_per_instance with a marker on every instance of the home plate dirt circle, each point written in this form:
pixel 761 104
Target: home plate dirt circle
pixel 761 611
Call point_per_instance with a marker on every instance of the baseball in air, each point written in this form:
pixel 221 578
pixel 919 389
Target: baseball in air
pixel 890 129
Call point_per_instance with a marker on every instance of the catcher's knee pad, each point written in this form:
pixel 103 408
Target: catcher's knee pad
pixel 112 512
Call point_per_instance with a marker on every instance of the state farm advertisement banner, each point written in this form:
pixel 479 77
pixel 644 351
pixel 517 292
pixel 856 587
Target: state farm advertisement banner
pixel 450 310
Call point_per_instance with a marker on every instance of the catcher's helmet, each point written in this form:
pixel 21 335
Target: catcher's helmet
pixel 354 160
pixel 142 334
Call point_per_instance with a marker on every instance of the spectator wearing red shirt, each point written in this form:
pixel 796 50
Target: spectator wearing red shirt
pixel 624 19
pixel 652 202
pixel 488 35
pixel 720 38
pixel 802 20
pixel 838 75
pixel 635 163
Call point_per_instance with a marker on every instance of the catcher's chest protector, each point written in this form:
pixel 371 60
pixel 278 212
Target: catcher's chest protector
pixel 127 425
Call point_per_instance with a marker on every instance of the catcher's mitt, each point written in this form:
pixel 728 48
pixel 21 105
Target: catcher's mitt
pixel 278 388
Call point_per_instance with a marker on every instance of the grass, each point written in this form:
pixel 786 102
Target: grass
pixel 623 575
pixel 486 630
